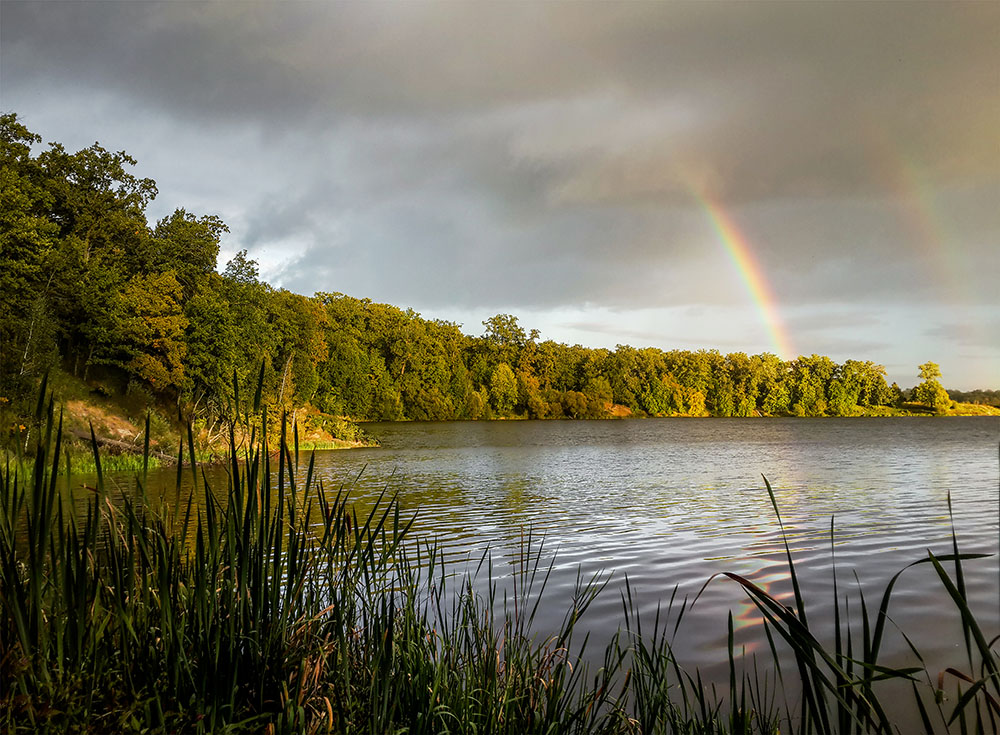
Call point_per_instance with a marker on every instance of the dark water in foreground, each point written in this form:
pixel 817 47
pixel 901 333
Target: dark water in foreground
pixel 674 501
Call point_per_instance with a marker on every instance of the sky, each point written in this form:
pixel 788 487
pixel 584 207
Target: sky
pixel 792 178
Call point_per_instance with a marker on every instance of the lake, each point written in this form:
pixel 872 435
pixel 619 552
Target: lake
pixel 671 502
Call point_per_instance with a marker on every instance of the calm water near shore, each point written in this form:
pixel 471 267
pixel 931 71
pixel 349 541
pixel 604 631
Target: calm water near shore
pixel 674 501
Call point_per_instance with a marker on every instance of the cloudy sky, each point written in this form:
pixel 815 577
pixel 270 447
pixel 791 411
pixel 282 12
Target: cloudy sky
pixel 788 177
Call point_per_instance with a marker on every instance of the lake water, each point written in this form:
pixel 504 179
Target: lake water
pixel 671 502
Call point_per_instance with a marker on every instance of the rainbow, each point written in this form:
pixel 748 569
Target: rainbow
pixel 944 259
pixel 926 225
pixel 751 273
pixel 929 227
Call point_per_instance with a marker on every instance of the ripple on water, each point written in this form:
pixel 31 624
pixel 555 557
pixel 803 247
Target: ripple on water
pixel 670 503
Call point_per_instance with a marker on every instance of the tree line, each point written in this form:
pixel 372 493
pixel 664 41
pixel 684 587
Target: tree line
pixel 89 285
pixel 979 397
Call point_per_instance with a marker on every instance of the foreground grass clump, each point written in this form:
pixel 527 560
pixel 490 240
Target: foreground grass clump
pixel 274 609
pixel 270 606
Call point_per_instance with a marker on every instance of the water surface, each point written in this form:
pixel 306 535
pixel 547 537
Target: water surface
pixel 672 502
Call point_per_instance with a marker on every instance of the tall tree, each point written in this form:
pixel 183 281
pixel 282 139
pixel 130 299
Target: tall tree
pixel 148 331
pixel 187 245
pixel 503 389
pixel 27 238
pixel 930 392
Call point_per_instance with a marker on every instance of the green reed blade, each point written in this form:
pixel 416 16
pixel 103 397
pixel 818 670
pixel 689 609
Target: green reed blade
pixel 989 659
pixel 309 472
pixel 180 464
pixel 194 464
pixel 815 681
pixel 40 405
pixel 55 456
pixel 97 459
pixel 145 450
pixel 236 395
pixel 969 695
pixel 922 710
pixel 260 389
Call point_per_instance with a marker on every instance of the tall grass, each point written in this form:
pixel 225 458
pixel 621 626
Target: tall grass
pixel 271 606
pixel 86 465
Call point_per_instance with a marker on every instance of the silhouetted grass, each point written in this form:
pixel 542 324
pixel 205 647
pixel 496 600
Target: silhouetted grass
pixel 272 606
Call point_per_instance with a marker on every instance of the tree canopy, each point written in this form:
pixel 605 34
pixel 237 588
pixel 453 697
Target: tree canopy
pixel 87 283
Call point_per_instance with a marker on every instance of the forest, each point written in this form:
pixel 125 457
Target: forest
pixel 88 286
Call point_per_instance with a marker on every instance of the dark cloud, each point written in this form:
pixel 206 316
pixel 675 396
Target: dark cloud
pixel 754 101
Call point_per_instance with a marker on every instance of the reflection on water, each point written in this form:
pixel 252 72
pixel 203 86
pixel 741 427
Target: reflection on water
pixel 674 501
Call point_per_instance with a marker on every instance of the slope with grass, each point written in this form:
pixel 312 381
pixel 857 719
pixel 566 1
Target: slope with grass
pixel 118 420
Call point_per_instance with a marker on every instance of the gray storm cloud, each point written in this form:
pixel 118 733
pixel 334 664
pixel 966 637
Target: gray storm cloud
pixel 765 98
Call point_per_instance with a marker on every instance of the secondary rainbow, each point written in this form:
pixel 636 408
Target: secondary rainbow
pixel 751 273
pixel 944 259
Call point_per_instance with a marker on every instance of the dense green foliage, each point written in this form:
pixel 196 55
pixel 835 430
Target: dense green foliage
pixel 275 606
pixel 930 392
pixel 977 397
pixel 87 283
pixel 385 363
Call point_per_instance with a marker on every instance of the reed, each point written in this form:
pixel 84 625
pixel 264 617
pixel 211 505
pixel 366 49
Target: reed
pixel 271 606
pixel 84 463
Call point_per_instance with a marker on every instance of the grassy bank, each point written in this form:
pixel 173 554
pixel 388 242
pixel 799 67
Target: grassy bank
pixel 278 609
pixel 136 431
